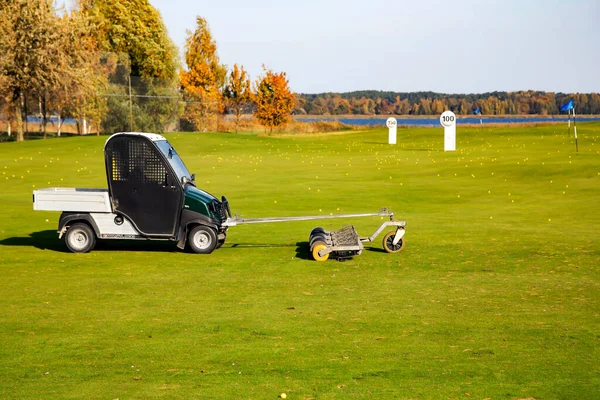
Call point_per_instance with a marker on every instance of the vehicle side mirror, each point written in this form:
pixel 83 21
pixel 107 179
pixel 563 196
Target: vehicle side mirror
pixel 193 177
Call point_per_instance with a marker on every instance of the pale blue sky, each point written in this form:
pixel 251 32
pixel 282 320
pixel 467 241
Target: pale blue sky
pixel 461 46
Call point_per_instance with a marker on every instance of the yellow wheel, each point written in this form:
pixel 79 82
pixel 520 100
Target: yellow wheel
pixel 388 243
pixel 318 246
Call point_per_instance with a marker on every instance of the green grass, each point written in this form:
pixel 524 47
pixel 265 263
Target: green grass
pixel 496 294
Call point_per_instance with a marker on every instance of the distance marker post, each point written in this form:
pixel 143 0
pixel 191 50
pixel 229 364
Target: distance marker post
pixel 448 121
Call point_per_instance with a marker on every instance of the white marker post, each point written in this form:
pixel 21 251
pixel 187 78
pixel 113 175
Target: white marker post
pixel 448 121
pixel 392 125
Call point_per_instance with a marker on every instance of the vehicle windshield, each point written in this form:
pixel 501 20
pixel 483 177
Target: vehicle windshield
pixel 174 159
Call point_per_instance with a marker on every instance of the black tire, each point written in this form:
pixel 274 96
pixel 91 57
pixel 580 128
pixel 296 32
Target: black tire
pixel 388 243
pixel 316 231
pixel 202 239
pixel 80 238
pixel 220 242
pixel 317 238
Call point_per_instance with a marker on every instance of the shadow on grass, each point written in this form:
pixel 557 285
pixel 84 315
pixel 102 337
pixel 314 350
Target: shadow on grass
pixel 302 248
pixel 375 249
pixel 48 240
pixel 44 240
pixel 303 251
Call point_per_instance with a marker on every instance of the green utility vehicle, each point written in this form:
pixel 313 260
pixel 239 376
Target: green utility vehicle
pixel 151 195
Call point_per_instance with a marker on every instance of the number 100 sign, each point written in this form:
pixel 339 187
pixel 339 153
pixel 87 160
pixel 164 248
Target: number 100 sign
pixel 448 121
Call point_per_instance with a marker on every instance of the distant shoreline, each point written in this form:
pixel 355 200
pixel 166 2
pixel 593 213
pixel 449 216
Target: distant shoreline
pixel 505 116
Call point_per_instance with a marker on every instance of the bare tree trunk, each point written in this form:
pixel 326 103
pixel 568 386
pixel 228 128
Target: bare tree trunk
pixel 45 114
pixel 41 116
pixel 25 110
pixel 59 122
pixel 19 116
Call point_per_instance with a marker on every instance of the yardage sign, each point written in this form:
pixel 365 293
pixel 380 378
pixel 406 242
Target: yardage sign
pixel 391 124
pixel 448 121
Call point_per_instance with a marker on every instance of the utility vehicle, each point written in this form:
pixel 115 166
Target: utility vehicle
pixel 151 195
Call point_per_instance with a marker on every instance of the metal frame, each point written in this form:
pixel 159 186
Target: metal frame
pixel 239 220
pixel 400 225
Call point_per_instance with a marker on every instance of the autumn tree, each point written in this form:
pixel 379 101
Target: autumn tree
pixel 133 31
pixel 204 79
pixel 85 74
pixel 238 93
pixel 273 99
pixel 30 46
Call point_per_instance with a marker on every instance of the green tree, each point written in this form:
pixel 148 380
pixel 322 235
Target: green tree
pixel 133 31
pixel 238 93
pixel 136 28
pixel 273 99
pixel 205 78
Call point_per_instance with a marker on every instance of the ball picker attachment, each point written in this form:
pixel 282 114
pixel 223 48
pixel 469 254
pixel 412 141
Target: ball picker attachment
pixel 344 243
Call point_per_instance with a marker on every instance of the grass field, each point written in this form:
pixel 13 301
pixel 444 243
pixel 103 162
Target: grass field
pixel 496 294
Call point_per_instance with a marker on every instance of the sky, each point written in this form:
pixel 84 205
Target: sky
pixel 459 46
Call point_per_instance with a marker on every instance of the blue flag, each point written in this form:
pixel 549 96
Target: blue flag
pixel 567 106
pixel 478 111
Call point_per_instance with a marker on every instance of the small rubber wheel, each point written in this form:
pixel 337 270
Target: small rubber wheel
pixel 202 239
pixel 318 246
pixel 80 238
pixel 388 243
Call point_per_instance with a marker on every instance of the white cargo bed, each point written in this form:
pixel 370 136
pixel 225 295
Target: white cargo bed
pixel 70 199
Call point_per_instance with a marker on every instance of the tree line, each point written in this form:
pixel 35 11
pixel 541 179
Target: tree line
pixel 110 64
pixel 371 102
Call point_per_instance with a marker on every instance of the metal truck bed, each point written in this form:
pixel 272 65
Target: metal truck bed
pixel 72 200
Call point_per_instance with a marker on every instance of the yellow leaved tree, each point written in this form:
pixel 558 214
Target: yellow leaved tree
pixel 202 83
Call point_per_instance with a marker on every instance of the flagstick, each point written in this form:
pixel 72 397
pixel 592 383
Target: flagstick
pixel 575 130
pixel 569 124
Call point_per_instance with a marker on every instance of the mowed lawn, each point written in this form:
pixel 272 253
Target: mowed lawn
pixel 496 294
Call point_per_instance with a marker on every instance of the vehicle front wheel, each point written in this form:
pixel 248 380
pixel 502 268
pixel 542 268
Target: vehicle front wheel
pixel 202 239
pixel 80 238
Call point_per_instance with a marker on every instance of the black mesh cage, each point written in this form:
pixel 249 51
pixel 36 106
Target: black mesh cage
pixel 135 160
pixel 142 186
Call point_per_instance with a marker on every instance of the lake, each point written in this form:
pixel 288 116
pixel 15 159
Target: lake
pixel 436 121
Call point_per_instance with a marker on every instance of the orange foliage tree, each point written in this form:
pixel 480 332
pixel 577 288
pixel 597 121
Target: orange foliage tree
pixel 238 93
pixel 205 77
pixel 273 99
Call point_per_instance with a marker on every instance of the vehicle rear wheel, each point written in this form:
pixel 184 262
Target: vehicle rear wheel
pixel 80 238
pixel 388 243
pixel 202 239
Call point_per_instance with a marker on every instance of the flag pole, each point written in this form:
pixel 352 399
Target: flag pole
pixel 569 124
pixel 575 130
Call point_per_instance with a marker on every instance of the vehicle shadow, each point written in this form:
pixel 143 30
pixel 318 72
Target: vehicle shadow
pixel 43 240
pixel 48 240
